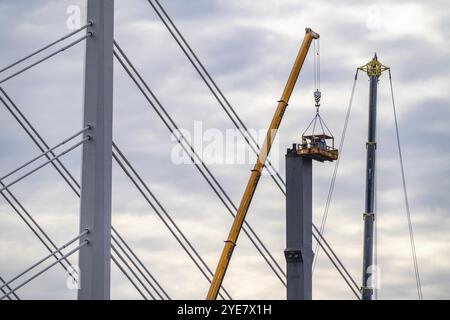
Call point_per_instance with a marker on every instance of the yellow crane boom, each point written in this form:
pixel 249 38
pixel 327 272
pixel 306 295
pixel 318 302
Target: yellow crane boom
pixel 230 243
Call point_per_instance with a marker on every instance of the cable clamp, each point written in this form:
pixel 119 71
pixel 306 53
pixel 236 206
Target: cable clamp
pixel 371 143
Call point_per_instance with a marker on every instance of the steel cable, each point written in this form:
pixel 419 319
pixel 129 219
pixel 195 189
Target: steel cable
pixel 39 141
pixel 62 170
pixel 8 288
pixel 120 161
pixel 85 242
pixel 128 277
pixel 44 164
pixel 47 47
pixel 140 262
pixel 138 268
pixel 44 153
pixel 335 171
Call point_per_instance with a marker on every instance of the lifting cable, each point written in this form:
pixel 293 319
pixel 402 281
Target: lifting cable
pixel 405 194
pixel 208 175
pixel 161 293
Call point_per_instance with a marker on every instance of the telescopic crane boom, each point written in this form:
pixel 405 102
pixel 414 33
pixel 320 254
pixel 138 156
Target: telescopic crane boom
pixel 230 243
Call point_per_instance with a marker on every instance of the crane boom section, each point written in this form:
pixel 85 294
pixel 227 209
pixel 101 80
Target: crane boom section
pixel 239 218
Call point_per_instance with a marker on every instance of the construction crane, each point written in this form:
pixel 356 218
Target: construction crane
pixel 252 183
pixel 315 144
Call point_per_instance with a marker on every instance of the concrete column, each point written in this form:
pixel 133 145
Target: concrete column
pixel 299 254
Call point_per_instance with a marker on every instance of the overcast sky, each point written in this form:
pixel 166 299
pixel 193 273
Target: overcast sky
pixel 248 47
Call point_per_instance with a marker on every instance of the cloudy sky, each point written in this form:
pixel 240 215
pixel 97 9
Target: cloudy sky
pixel 248 47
